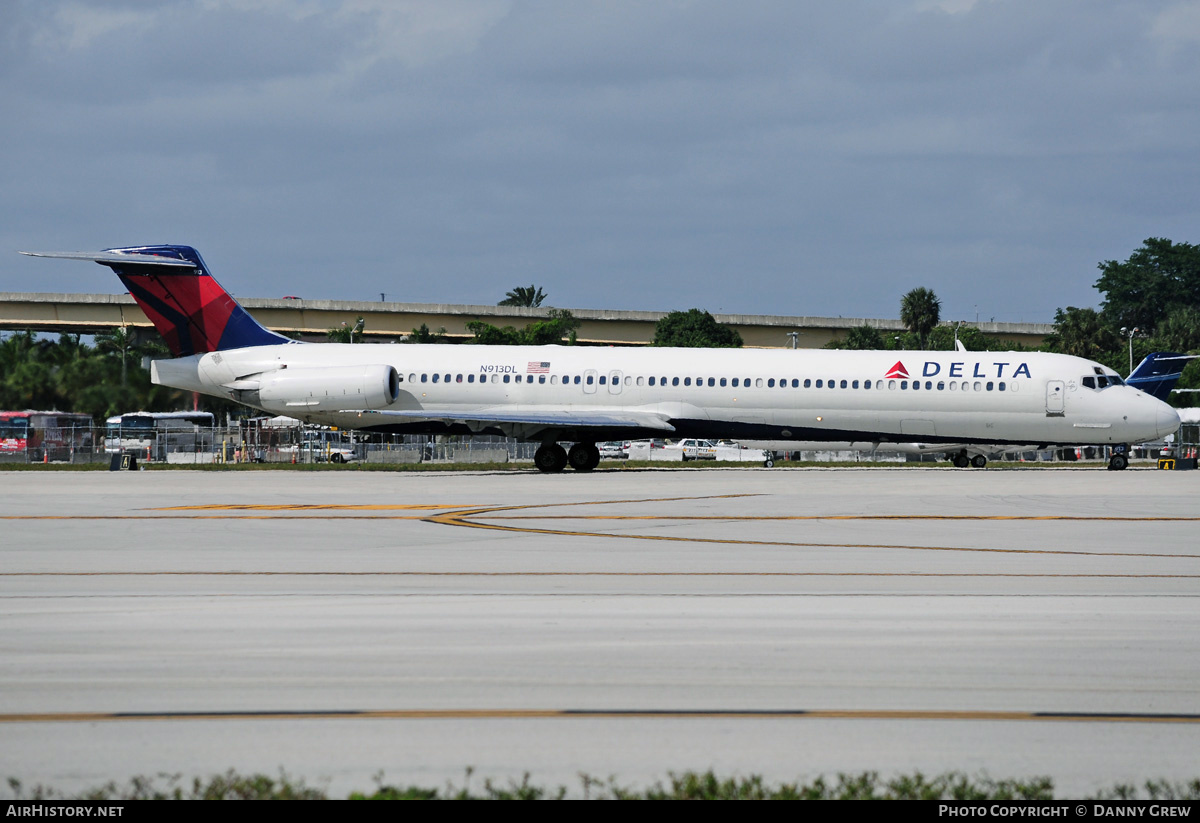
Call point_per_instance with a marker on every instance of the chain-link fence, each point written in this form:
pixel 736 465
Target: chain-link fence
pixel 253 442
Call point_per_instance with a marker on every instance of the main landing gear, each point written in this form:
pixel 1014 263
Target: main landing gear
pixel 1118 462
pixel 961 460
pixel 551 457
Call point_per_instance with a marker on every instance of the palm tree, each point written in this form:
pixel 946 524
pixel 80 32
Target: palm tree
pixel 531 297
pixel 920 311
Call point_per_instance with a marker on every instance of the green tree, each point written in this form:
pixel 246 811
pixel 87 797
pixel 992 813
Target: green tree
pixel 1081 332
pixel 695 329
pixel 920 311
pixel 531 297
pixel 1158 278
pixel 424 335
pixel 345 333
pixel 861 338
pixel 558 325
pixel 1179 332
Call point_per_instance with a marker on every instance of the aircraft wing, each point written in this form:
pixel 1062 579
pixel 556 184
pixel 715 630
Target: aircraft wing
pixel 551 418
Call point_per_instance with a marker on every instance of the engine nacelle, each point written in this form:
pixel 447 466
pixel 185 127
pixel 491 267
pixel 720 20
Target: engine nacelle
pixel 330 388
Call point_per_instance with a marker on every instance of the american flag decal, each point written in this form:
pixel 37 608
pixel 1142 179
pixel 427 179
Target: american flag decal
pixel 537 367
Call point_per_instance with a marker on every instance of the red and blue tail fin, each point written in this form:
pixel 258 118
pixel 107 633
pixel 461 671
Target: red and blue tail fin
pixel 185 303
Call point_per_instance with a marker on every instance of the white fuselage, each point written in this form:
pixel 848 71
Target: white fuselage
pixel 805 395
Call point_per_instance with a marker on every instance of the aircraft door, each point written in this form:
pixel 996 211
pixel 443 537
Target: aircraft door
pixel 614 382
pixel 590 378
pixel 1054 398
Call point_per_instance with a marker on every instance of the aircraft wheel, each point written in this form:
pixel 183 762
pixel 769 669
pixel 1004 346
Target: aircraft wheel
pixel 769 462
pixel 584 457
pixel 961 461
pixel 1117 463
pixel 550 458
pixel 979 461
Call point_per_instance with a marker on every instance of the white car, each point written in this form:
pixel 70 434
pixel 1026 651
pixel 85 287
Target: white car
pixel 695 449
pixel 614 449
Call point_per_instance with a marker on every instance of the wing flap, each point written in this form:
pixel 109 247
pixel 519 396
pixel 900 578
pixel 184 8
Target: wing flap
pixel 597 418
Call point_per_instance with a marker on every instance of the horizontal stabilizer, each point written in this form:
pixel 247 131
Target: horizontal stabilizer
pixel 114 257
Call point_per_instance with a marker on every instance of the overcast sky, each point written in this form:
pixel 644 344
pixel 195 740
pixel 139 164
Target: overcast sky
pixel 777 157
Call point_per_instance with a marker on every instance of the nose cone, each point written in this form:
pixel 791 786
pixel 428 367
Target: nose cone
pixel 1167 420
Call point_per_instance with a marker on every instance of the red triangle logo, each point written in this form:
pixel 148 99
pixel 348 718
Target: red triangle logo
pixel 897 370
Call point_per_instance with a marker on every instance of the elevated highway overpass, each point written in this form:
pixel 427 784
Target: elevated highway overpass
pixel 387 322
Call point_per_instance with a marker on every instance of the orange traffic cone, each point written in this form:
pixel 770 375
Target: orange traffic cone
pixel 46 457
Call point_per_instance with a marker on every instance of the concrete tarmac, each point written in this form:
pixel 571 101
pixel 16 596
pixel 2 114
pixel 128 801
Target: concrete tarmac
pixel 789 623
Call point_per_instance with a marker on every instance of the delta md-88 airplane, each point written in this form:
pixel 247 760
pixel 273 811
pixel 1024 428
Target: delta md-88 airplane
pixel 585 395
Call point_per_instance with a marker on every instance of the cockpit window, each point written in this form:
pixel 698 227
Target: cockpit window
pixel 1101 381
pixel 1089 382
pixel 1113 380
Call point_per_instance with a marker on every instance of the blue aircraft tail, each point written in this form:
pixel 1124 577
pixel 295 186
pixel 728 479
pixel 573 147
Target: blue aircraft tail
pixel 1158 373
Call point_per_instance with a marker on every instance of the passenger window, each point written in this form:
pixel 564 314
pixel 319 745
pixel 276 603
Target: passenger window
pixel 978 386
pixel 640 381
pixel 735 382
pixel 989 385
pixel 458 378
pixel 577 380
pixel 590 379
pixel 891 384
pixel 712 382
pixel 674 381
pixel 903 384
pixel 435 377
pixel 843 384
pixel 830 384
pixel 867 384
pixel 412 378
pixel 807 382
pixel 506 378
pixel 629 381
pixel 687 381
pixel 651 381
pixel 470 378
pixel 447 378
pixel 771 383
pixel 424 378
pixel 953 387
pixel 966 386
pixel 916 385
pixel 854 384
pixel 928 385
pixel 400 377
pixel 722 382
pixel 554 380
pixel 941 385
pixel 602 383
pixel 541 378
pixel 758 382
pixel 1001 387
pixel 820 384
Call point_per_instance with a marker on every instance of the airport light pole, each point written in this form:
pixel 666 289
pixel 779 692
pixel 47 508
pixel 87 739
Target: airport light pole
pixel 795 335
pixel 1132 332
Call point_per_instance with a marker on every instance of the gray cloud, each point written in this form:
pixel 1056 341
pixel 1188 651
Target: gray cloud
pixel 776 157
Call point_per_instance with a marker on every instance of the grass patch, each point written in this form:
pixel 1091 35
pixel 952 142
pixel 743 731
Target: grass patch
pixel 682 786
